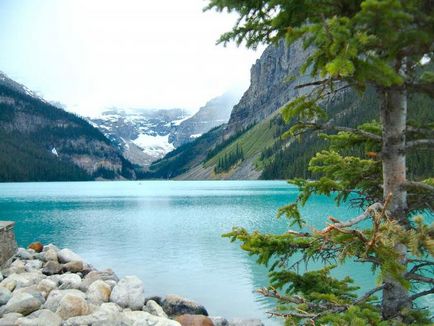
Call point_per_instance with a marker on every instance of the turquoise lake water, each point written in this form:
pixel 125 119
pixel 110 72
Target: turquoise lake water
pixel 168 233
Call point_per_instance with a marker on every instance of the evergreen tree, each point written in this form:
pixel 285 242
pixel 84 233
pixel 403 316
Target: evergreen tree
pixel 355 44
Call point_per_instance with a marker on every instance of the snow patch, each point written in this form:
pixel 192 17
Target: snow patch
pixel 156 146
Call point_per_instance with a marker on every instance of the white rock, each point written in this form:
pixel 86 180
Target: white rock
pixel 99 292
pixel 50 254
pixel 154 309
pixel 46 286
pixel 50 246
pixel 108 314
pixel 55 296
pixel 16 267
pixel 33 291
pixel 10 319
pixel 129 293
pixel 219 321
pixel 22 303
pixel 5 296
pixel 33 264
pixel 23 280
pixel 42 317
pixel 245 322
pixel 9 284
pixel 1 276
pixel 142 318
pixel 69 281
pixel 67 255
pixel 23 254
pixel 72 305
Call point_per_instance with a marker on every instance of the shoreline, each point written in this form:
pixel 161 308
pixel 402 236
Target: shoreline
pixel 45 285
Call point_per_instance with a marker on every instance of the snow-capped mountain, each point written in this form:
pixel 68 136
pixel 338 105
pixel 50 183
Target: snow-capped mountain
pixel 12 84
pixel 142 135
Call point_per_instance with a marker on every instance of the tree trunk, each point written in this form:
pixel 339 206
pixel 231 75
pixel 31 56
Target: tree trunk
pixel 393 119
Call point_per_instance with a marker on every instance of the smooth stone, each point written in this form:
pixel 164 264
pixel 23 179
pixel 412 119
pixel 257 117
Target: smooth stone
pixel 67 255
pixel 10 319
pixel 107 314
pixel 9 284
pixel 22 303
pixel 71 306
pixel 23 254
pixel 50 254
pixel 174 305
pixel 194 320
pixel 129 293
pixel 106 275
pixel 219 321
pixel 32 290
pixel 73 266
pixel 46 286
pixel 69 281
pixel 52 267
pixel 33 264
pixel 5 296
pixel 154 309
pixel 36 246
pixel 55 296
pixel 245 322
pixel 1 276
pixel 23 280
pixel 50 246
pixel 42 317
pixel 99 292
pixel 142 318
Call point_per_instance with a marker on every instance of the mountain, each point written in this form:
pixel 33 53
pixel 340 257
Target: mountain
pixel 251 145
pixel 215 113
pixel 41 142
pixel 141 135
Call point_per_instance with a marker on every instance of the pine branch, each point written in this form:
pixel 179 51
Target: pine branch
pixel 419 142
pixel 421 130
pixel 421 185
pixel 329 126
pixel 366 296
pixel 421 294
pixel 419 278
pixel 419 266
pixel 315 83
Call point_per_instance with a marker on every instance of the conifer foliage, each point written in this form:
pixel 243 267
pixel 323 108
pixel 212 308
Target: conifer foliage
pixel 380 44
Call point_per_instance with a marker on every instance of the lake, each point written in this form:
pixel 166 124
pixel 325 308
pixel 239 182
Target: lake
pixel 168 233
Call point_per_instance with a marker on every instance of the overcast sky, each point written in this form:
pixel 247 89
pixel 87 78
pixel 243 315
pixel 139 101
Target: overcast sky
pixel 94 54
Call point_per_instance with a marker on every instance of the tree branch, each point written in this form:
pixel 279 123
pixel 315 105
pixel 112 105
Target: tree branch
pixel 315 83
pixel 419 278
pixel 421 185
pixel 328 126
pixel 366 296
pixel 419 142
pixel 420 294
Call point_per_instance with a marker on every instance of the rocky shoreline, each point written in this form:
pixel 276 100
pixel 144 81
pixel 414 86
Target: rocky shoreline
pixel 48 286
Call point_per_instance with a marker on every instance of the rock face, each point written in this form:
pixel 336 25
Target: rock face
pixel 75 296
pixel 215 113
pixel 8 245
pixel 268 89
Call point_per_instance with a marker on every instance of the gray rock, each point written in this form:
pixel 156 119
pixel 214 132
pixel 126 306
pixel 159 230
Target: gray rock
pixel 245 322
pixel 24 254
pixel 52 267
pixel 174 305
pixel 142 318
pixel 9 284
pixel 55 296
pixel 1 276
pixel 10 319
pixel 108 314
pixel 50 246
pixel 67 255
pixel 154 309
pixel 5 296
pixel 69 281
pixel 73 266
pixel 22 280
pixel 32 265
pixel 46 286
pixel 22 303
pixel 219 321
pixel 106 275
pixel 71 306
pixel 50 254
pixel 99 292
pixel 33 291
pixel 129 293
pixel 42 317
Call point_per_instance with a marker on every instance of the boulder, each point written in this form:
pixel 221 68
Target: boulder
pixel 73 266
pixel 17 267
pixel 55 296
pixel 42 317
pixel 50 254
pixel 46 286
pixel 72 305
pixel 67 255
pixel 142 318
pixel 51 267
pixel 219 321
pixel 106 275
pixel 22 303
pixel 245 322
pixel 5 296
pixel 9 319
pixel 69 281
pixel 23 254
pixel 9 284
pixel 36 246
pixel 33 291
pixel 99 292
pixel 194 320
pixel 1 276
pixel 106 314
pixel 50 246
pixel 174 305
pixel 22 280
pixel 33 265
pixel 129 293
pixel 154 309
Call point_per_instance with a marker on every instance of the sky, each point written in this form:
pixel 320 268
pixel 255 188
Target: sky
pixel 96 54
